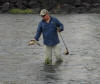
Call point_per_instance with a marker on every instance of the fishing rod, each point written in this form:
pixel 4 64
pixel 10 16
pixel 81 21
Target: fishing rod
pixel 66 52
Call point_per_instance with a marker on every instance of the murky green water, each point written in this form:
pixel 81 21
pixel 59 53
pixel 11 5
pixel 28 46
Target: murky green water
pixel 23 64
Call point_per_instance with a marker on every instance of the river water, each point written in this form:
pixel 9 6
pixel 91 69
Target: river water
pixel 23 64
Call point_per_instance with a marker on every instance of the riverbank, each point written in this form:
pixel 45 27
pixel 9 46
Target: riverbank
pixel 55 11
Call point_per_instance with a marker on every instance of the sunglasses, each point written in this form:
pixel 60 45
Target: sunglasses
pixel 43 15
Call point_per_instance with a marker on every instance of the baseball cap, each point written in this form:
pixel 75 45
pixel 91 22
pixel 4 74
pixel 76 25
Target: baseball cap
pixel 43 12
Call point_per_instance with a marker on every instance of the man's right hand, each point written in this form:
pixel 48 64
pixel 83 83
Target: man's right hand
pixel 33 42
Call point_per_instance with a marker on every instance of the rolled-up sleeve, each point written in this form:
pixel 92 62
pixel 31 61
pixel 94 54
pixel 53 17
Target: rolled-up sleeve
pixel 59 24
pixel 38 33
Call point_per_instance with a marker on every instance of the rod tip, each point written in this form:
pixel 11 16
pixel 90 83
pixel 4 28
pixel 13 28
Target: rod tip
pixel 66 52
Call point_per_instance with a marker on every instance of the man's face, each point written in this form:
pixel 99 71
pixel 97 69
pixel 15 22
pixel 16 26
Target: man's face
pixel 45 17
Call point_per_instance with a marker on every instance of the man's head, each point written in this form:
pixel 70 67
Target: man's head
pixel 44 14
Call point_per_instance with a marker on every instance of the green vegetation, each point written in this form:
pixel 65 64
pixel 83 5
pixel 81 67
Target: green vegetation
pixel 21 11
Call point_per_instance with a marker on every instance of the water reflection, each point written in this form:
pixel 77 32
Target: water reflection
pixel 49 74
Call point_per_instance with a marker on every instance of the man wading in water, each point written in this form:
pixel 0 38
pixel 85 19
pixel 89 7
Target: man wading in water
pixel 49 27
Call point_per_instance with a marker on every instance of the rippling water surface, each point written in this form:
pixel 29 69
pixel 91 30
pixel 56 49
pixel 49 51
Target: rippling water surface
pixel 23 64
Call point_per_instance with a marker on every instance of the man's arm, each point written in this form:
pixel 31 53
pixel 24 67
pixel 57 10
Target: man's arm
pixel 59 25
pixel 38 33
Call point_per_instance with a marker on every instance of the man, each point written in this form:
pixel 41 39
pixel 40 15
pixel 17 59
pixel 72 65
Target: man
pixel 49 27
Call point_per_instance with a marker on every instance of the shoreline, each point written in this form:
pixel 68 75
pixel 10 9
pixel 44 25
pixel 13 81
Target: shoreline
pixel 55 11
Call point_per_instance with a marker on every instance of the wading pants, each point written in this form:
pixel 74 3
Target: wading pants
pixel 50 50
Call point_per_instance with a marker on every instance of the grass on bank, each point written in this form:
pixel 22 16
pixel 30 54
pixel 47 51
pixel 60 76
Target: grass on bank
pixel 21 11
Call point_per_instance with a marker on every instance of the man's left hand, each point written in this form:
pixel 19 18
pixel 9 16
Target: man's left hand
pixel 58 29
